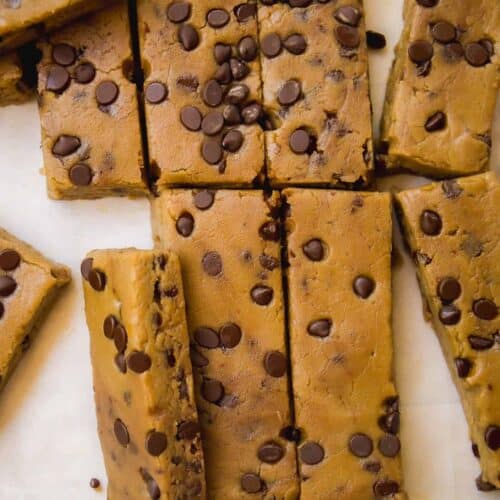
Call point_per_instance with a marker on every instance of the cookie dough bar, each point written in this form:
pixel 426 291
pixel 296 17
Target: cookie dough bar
pixel 202 91
pixel 441 94
pixel 91 138
pixel 13 89
pixel 315 90
pixel 228 245
pixel 452 231
pixel 143 385
pixel 346 405
pixel 28 285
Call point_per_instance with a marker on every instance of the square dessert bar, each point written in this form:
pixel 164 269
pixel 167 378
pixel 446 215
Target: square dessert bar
pixel 202 91
pixel 91 137
pixel 453 232
pixel 441 94
pixel 28 285
pixel 346 405
pixel 228 245
pixel 143 385
pixel 316 93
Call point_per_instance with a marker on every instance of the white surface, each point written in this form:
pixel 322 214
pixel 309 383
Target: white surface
pixel 48 442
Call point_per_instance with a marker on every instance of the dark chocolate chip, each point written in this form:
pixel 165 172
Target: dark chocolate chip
pixel 212 152
pixel 217 18
pixel 476 54
pixel 485 309
pixel 185 224
pixel 389 445
pixel 223 74
pixel 271 45
pixel 206 337
pixel 121 362
pixel 237 93
pixel 420 51
pixel 63 54
pixel 212 263
pixel 151 485
pixel 212 390
pixel 299 141
pixel 80 174
pixel 291 434
pixel 262 295
pixel 449 289
pixel 463 367
pixel 232 141
pixel 275 364
pixel 247 48
pixel 58 79
pixel 251 483
pixel 314 250
pixel 232 114
pixel 479 343
pixel 269 262
pixel 492 437
pixel 444 32
pixel 120 338
pixel 289 93
pixel 156 443
pixel 188 37
pixel 109 325
pixel 430 223
pixel 84 73
pixel 188 430
pixel 94 483
pixel 451 189
pixel 311 453
pixel 449 315
pixel 347 36
pixel 488 45
pixel 97 280
pixel 106 93
pixel 9 259
pixel 230 335
pixel 212 93
pixel 245 11
pixel 203 200
pixel 239 69
pixel 156 92
pixel 385 487
pixel 348 15
pixel 178 12
pixel 251 113
pixel 373 467
pixel 121 432
pixel 360 445
pixel 7 286
pixel 212 123
pixel 475 450
pixel 65 145
pixel 270 231
pixel 2 311
pixel 363 286
pixel 86 267
pixel 375 40
pixel 198 360
pixel 320 328
pixel 295 44
pixel 436 122
pixel 139 362
pixel 222 52
pixel 300 3
pixel 453 51
pixel 191 118
pixel 270 452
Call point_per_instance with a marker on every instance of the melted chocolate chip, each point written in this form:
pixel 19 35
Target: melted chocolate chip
pixel 348 15
pixel 7 286
pixel 492 437
pixel 156 92
pixel 389 445
pixel 191 118
pixel 271 45
pixel 295 44
pixel 436 122
pixel 479 343
pixel 65 145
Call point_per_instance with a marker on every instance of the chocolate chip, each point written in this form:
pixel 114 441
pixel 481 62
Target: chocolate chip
pixel 185 224
pixel 109 325
pixel 271 45
pixel 320 328
pixel 84 73
pixel 463 366
pixel 120 338
pixel 453 51
pixel 217 18
pixel 121 362
pixel 291 434
pixel 65 145
pixel 188 37
pixel 311 453
pixel 206 337
pixel 212 93
pixel 270 452
pixel 289 93
pixel 232 141
pixel 251 483
pixel 299 141
pixel 251 113
pixel 247 48
pixel 492 437
pixel 245 11
pixel 97 280
pixel 178 12
pixel 475 450
pixel 191 118
pixel 386 487
pixel 476 54
pixel 63 54
pixel 436 122
pixel 347 36
pixel 348 15
pixel 58 79
pixel 231 114
pixel 156 92
pixel 444 32
pixel 430 223
pixel 262 295
pixel 2 311
pixel 156 443
pixel 212 123
pixel 212 263
pixel 212 152
pixel 485 309
pixel 268 262
pixel 239 69
pixel 451 189
pixel 223 74
pixel 389 445
pixel 449 315
pixel 106 93
pixel 139 362
pixel 301 3
pixel 80 174
pixel 197 359
pixel 363 286
pixel 203 200
pixel 483 485
pixel 375 40
pixel 314 250
pixel 295 44
pixel 9 259
pixel 360 445
pixel 94 483
pixel 423 69
pixel 480 343
pixel 275 364
pixel 151 485
pixel 420 51
pixel 222 52
pixel 7 286
pixel 449 289
pixel 373 467
pixel 212 390
pixel 237 93
pixel 121 432
pixel 188 430
pixel 86 267
pixel 270 231
pixel 230 335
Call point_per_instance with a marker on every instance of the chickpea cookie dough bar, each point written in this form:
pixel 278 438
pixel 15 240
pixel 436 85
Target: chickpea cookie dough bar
pixel 346 405
pixel 228 245
pixel 143 385
pixel 315 88
pixel 453 232
pixel 23 20
pixel 441 94
pixel 91 136
pixel 202 91
pixel 28 285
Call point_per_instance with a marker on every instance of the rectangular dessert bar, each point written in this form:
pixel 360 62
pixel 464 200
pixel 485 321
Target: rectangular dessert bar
pixel 202 91
pixel 316 93
pixel 228 245
pixel 91 138
pixel 28 285
pixel 442 91
pixel 23 20
pixel 346 405
pixel 453 232
pixel 146 413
